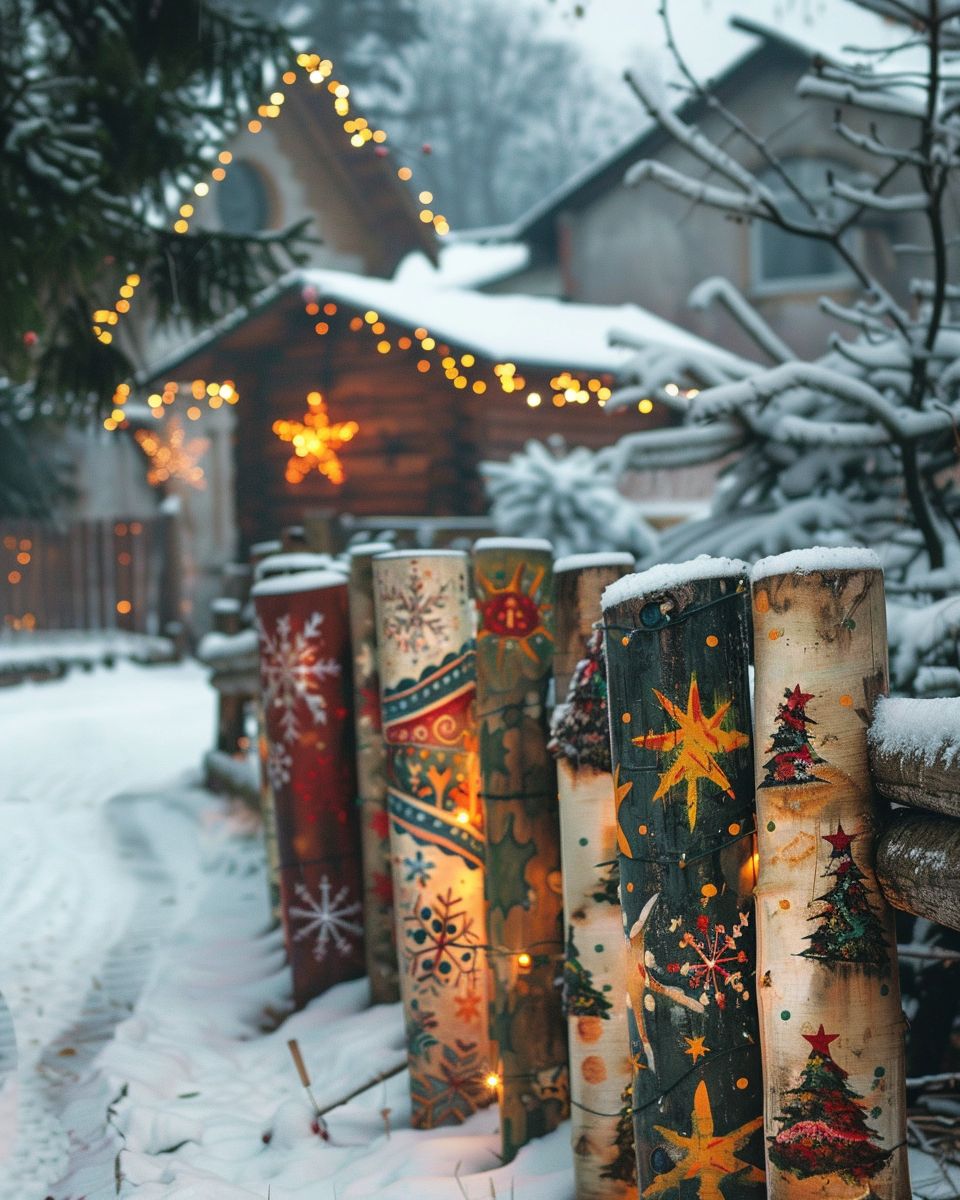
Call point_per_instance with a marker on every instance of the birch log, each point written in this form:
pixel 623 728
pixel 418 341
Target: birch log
pixel 268 816
pixel 427 657
pixel 601 1123
pixel 831 1025
pixel 514 586
pixel 303 627
pixel 915 752
pixel 677 649
pixel 378 916
pixel 918 866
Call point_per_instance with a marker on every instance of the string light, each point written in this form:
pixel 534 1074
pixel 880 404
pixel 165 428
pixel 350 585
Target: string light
pixel 20 551
pixel 315 442
pixel 492 1081
pixel 524 961
pixel 214 394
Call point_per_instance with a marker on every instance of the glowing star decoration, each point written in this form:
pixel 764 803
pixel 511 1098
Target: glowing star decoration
pixel 173 455
pixel 706 1155
pixel 316 442
pixel 698 740
pixel 512 615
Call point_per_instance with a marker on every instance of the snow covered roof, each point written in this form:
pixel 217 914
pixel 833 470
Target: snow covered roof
pixel 535 330
pixel 464 264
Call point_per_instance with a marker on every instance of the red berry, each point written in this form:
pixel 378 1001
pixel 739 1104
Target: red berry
pixel 30 338
pixel 427 148
pixel 267 1137
pixel 381 151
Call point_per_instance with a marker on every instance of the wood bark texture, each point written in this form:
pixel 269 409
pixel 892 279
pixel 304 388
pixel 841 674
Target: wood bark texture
pixel 918 866
pixel 427 656
pixel 910 779
pixel 305 666
pixel 601 1121
pixel 514 589
pixel 378 916
pixel 679 702
pixel 831 1024
pixel 268 816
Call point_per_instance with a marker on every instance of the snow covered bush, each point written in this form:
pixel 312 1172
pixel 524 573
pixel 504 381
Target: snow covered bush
pixel 568 497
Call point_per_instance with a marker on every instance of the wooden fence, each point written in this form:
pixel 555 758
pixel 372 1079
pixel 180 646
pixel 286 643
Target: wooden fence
pixel 92 574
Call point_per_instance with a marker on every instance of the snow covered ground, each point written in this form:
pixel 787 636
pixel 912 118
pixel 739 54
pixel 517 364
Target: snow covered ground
pixel 148 992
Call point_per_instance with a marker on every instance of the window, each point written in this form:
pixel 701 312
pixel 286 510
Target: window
pixel 783 260
pixel 242 200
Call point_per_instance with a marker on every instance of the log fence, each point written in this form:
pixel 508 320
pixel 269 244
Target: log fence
pixel 695 858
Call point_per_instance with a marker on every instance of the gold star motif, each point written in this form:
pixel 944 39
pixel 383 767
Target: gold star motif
pixel 706 1155
pixel 698 739
pixel 695 1047
pixel 315 442
pixel 620 793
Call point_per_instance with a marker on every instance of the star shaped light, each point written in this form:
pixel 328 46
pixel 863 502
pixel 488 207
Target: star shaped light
pixel 698 740
pixel 315 442
pixel 174 456
pixel 705 1154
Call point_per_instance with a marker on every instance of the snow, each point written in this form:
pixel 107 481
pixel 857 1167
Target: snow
pixel 535 330
pixel 668 576
pixel 580 562
pixel 275 546
pixel 927 729
pixel 362 548
pixel 816 559
pixel 79 648
pixel 300 581
pixel 215 648
pixel 225 604
pixel 511 543
pixel 278 564
pixel 423 553
pixel 464 264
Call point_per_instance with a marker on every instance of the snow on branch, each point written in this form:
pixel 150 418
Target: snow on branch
pixel 909 202
pixel 721 290
pixel 684 446
pixel 744 204
pixel 812 86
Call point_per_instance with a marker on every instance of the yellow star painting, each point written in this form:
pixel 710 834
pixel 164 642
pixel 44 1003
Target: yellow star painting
pixel 705 1154
pixel 620 792
pixel 696 1048
pixel 698 740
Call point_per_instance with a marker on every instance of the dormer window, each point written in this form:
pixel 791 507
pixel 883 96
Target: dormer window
pixel 243 201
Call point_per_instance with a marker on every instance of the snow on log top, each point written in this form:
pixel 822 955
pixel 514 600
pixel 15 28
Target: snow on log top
pixel 602 558
pixel 927 729
pixel 667 576
pixel 301 581
pixel 216 648
pixel 224 604
pixel 814 560
pixel 278 564
pixel 419 552
pixel 363 548
pixel 274 546
pixel 512 543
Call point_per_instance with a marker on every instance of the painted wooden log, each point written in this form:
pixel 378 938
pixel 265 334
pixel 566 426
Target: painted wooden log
pixel 231 703
pixel 513 581
pixel 427 657
pixel 378 916
pixel 831 1025
pixel 677 649
pixel 915 753
pixel 304 632
pixel 601 1123
pixel 918 866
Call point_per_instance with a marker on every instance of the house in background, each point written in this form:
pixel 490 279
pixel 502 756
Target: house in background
pixel 431 379
pixel 597 241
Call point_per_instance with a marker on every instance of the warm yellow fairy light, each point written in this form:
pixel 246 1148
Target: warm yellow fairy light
pixel 645 405
pixel 463 816
pixel 524 961
pixel 534 399
pixel 492 1081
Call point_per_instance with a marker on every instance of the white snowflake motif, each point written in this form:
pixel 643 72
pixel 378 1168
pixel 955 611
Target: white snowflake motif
pixel 279 763
pixel 327 919
pixel 415 616
pixel 292 671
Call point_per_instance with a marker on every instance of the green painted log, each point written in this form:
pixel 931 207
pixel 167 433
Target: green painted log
pixel 677 648
pixel 514 588
pixel 601 1123
pixel 378 916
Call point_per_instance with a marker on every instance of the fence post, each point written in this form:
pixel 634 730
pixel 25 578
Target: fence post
pixel 426 650
pixel 378 916
pixel 829 997
pixel 677 647
pixel 513 582
pixel 601 1119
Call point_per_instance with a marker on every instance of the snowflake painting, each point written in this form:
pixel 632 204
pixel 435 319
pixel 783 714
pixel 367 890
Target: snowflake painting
pixel 415 614
pixel 454 1093
pixel 716 969
pixel 279 763
pixel 327 918
pixel 418 869
pixel 441 942
pixel 293 671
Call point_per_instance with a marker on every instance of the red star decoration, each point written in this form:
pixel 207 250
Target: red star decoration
pixel 840 841
pixel 798 699
pixel 820 1041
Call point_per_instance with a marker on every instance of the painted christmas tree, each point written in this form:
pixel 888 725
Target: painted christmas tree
pixel 793 756
pixel 580 997
pixel 823 1130
pixel 624 1167
pixel 848 929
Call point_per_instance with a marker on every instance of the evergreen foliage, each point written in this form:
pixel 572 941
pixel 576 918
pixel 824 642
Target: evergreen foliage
pixel 793 755
pixel 580 997
pixel 108 115
pixel 848 930
pixel 624 1166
